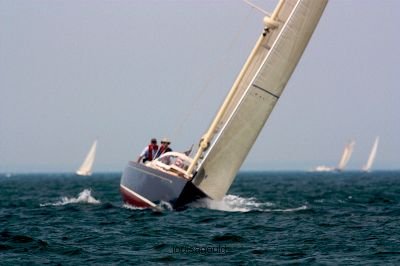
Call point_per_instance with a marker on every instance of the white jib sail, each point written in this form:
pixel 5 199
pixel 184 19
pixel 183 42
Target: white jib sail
pixel 87 165
pixel 348 150
pixel 372 156
pixel 254 94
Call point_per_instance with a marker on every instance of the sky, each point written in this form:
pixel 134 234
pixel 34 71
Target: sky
pixel 125 71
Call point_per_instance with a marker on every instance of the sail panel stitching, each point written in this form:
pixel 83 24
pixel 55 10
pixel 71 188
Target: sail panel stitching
pixel 270 93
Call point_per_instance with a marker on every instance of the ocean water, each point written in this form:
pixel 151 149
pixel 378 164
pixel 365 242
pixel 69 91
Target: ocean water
pixel 267 218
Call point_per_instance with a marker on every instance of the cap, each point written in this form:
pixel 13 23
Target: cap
pixel 166 140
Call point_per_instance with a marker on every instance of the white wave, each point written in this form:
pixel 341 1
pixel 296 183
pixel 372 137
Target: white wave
pixel 84 197
pixel 232 203
pixel 301 208
pixel 131 207
pixel 163 205
pixel 159 207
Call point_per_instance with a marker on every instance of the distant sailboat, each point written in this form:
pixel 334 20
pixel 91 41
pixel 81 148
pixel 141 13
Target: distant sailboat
pixel 87 165
pixel 347 152
pixel 372 155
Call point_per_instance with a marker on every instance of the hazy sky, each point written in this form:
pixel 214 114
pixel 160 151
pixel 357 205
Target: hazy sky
pixel 125 71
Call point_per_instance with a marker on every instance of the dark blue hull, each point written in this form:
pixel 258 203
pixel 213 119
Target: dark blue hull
pixel 142 186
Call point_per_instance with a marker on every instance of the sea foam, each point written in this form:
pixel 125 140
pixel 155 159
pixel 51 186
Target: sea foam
pixel 233 203
pixel 84 197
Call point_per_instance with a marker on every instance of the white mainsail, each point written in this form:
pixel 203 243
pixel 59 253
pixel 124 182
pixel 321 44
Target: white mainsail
pixel 254 94
pixel 87 165
pixel 372 156
pixel 347 152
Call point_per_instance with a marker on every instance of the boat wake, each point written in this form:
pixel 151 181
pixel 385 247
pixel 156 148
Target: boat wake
pixel 84 197
pixel 230 203
pixel 233 203
pixel 131 207
pixel 162 206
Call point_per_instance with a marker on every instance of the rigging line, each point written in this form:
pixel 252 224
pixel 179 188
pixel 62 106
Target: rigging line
pixel 211 77
pixel 257 7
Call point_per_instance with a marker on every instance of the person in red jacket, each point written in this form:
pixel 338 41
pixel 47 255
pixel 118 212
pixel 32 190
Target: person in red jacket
pixel 164 147
pixel 149 152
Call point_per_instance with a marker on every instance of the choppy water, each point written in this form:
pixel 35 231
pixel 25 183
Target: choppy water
pixel 267 218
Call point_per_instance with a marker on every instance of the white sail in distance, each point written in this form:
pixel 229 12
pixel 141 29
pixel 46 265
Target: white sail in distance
pixel 87 165
pixel 254 94
pixel 347 152
pixel 372 156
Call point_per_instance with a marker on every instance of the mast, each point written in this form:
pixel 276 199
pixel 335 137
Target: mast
pixel 270 23
pixel 226 143
pixel 205 140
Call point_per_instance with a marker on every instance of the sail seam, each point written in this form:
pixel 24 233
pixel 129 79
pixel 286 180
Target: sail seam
pixel 270 93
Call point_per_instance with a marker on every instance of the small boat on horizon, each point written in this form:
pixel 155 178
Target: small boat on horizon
pixel 346 155
pixel 87 166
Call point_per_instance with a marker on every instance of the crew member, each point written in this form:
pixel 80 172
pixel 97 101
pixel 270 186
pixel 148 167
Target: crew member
pixel 164 147
pixel 149 152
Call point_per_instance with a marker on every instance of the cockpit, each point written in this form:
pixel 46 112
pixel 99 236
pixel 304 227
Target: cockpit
pixel 173 163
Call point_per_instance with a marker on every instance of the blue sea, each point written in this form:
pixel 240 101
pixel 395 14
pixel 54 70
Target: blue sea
pixel 267 218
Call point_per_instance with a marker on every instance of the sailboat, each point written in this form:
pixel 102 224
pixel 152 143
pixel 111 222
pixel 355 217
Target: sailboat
pixel 372 155
pixel 346 155
pixel 87 165
pixel 347 152
pixel 234 129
